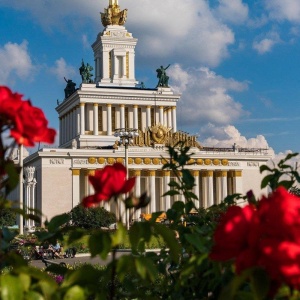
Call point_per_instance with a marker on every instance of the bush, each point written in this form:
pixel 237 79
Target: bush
pixel 91 218
pixel 7 217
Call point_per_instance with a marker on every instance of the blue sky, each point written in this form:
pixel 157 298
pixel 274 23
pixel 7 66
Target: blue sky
pixel 236 62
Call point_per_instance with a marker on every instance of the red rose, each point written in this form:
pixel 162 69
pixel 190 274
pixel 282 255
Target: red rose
pixel 27 123
pixel 279 216
pixel 281 260
pixel 9 105
pixel 235 234
pixel 109 182
pixel 31 126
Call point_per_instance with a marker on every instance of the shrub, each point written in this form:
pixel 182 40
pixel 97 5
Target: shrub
pixel 7 217
pixel 91 218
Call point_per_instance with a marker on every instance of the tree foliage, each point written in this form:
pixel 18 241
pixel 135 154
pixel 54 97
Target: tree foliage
pixel 7 217
pixel 91 218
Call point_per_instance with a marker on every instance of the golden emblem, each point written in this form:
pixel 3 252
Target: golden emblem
pixel 159 133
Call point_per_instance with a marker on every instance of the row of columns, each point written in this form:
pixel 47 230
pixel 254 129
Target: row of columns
pixel 211 187
pixel 74 122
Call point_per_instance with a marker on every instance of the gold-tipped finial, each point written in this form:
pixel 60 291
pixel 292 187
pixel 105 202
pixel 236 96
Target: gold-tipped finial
pixel 113 15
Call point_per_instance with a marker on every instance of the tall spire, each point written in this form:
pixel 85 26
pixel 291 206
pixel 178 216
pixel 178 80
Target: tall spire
pixel 113 15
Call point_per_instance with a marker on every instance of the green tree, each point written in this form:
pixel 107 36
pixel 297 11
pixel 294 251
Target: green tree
pixel 7 217
pixel 91 218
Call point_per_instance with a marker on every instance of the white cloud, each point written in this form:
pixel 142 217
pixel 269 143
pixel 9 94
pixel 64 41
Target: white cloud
pixel 205 96
pixel 15 61
pixel 233 11
pixel 62 70
pixel 267 43
pixel 227 136
pixel 182 29
pixel 284 9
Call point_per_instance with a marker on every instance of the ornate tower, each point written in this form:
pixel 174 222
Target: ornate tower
pixel 114 49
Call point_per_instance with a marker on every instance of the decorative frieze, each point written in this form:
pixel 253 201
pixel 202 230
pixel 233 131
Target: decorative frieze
pixel 57 161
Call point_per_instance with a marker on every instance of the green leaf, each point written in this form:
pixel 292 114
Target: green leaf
pixel 119 235
pixel 188 179
pixel 173 183
pixel 76 235
pixel 84 275
pixel 171 193
pixel 145 268
pixel 286 183
pixel 58 221
pixel 169 237
pixel 266 181
pixel 12 176
pixel 100 243
pixel 32 295
pixel 11 287
pixel 264 168
pixel 75 293
pixel 260 283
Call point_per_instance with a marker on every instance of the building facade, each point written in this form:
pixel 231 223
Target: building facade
pixel 56 179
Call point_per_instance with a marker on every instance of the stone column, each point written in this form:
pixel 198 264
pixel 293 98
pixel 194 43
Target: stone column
pixel 82 118
pixel 77 120
pixel 237 181
pixel 75 187
pixel 95 132
pixel 137 191
pixel 161 115
pixel 148 116
pixel 196 191
pixel 210 188
pixel 91 188
pixel 135 117
pixel 166 180
pixel 169 117
pixel 174 121
pixel 224 184
pixel 122 116
pixel 152 191
pixel 207 187
pixel 109 120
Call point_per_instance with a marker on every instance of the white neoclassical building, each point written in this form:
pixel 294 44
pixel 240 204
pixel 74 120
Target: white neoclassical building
pixel 56 179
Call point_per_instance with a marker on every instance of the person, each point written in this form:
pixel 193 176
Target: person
pixel 55 250
pixel 163 79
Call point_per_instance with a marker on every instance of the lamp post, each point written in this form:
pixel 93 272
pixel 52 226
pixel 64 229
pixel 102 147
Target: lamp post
pixel 126 136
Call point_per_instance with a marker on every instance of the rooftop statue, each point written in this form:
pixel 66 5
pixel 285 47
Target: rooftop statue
pixel 163 79
pixel 70 88
pixel 85 72
pixel 113 15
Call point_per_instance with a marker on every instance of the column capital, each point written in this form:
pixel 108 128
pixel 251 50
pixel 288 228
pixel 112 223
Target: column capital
pixel 136 172
pixel 135 106
pixel 75 172
pixel 82 104
pixel 161 107
pixel 173 107
pixel 149 106
pixel 122 105
pixel 95 104
pixel 236 173
pixel 195 172
pixel 207 173
pixel 108 104
pixel 166 173
pixel 150 172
